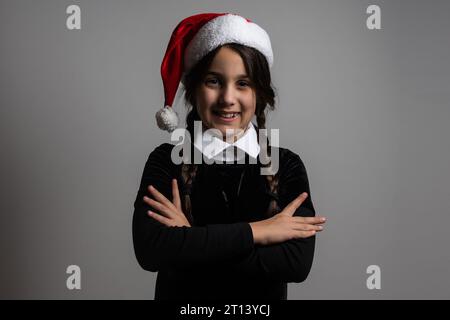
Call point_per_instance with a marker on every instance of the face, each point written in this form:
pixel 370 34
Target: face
pixel 225 98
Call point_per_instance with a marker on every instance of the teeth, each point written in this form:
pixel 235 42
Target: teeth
pixel 229 115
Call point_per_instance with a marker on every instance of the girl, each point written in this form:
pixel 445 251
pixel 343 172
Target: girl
pixel 220 229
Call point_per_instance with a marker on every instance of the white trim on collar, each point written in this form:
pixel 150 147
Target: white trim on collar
pixel 213 147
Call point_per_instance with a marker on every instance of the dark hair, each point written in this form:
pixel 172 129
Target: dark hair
pixel 258 71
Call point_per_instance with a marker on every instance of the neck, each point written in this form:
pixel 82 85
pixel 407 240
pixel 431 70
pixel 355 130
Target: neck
pixel 233 137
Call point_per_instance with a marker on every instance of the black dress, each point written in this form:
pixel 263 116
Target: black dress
pixel 216 258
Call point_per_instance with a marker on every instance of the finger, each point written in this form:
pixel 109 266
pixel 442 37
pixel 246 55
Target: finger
pixel 299 200
pixel 307 227
pixel 159 207
pixel 160 197
pixel 176 194
pixel 294 204
pixel 311 220
pixel 159 218
pixel 306 234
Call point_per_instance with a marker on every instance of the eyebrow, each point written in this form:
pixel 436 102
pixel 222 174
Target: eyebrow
pixel 240 76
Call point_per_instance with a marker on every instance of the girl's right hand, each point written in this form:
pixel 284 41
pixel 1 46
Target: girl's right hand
pixel 284 226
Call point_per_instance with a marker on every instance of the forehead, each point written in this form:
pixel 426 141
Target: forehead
pixel 227 61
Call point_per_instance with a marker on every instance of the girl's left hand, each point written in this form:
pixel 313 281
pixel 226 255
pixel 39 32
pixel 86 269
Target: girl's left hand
pixel 171 214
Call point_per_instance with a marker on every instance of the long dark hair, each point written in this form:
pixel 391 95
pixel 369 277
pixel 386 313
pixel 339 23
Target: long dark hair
pixel 258 71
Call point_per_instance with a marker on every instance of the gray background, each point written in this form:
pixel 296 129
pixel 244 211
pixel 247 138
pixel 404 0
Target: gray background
pixel 366 110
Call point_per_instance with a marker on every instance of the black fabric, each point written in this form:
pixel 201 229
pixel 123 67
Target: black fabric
pixel 216 257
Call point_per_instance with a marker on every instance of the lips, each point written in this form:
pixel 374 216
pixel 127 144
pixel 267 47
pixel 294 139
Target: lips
pixel 226 116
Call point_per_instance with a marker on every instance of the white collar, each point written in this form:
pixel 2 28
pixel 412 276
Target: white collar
pixel 213 147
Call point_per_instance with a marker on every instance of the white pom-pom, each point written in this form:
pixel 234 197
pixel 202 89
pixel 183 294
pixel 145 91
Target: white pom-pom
pixel 167 119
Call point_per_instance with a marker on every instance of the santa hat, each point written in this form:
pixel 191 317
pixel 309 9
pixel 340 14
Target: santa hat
pixel 195 37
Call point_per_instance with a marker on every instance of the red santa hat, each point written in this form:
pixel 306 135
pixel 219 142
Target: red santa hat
pixel 192 39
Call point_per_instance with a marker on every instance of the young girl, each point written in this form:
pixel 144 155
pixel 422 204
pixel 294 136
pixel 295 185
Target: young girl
pixel 220 229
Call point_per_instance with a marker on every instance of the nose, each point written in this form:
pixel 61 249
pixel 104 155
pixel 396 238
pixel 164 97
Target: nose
pixel 228 95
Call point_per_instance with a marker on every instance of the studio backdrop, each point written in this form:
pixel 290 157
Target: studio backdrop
pixel 362 96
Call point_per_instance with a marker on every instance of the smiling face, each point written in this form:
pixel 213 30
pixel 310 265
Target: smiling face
pixel 225 97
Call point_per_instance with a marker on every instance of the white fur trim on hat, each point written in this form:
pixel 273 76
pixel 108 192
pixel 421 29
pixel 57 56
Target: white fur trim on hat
pixel 227 29
pixel 167 119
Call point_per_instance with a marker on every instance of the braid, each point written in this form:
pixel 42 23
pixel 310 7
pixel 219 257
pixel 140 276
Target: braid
pixel 272 180
pixel 189 171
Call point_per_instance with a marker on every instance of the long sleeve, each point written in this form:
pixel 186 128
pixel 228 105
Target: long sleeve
pixel 160 247
pixel 291 260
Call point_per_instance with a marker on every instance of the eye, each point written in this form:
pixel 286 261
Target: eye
pixel 212 81
pixel 243 83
